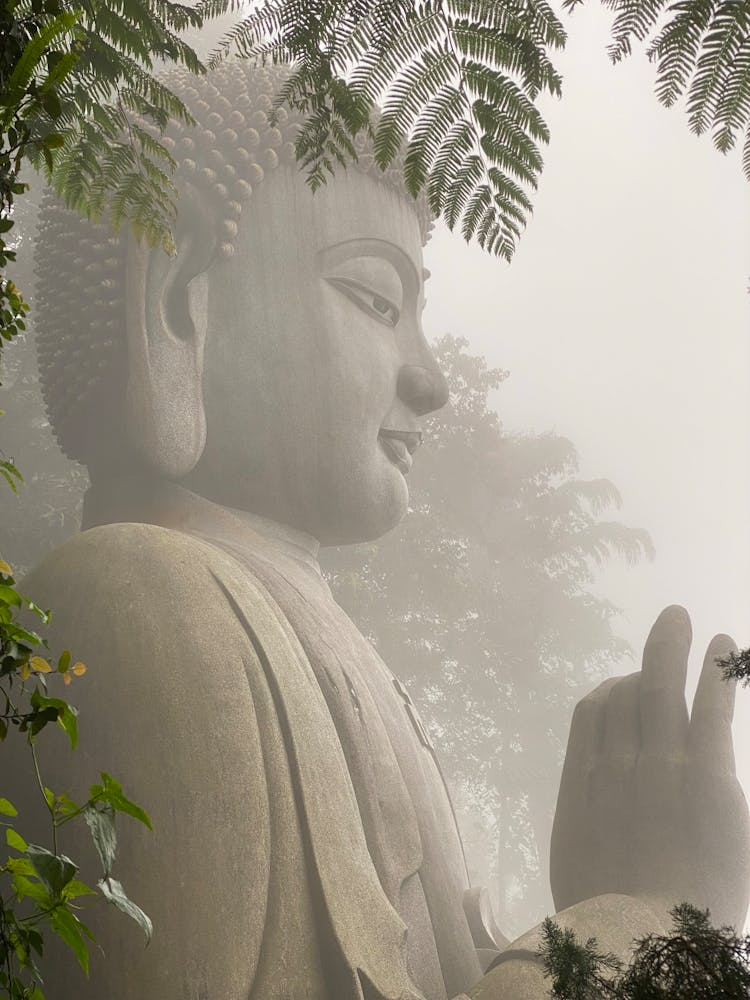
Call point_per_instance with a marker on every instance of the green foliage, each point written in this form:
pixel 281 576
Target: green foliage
pixel 481 601
pixel 39 888
pixel 71 86
pixel 736 666
pixel 695 962
pixel 456 81
pixel 702 52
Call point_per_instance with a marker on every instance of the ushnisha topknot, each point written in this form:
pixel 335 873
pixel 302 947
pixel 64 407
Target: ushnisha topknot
pixel 80 266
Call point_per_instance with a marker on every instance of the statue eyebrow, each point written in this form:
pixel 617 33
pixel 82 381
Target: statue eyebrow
pixel 383 248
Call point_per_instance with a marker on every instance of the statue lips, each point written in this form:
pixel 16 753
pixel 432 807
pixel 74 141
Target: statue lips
pixel 399 446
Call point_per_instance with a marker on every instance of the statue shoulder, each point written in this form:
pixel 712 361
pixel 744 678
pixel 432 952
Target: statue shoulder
pixel 157 590
pixel 173 705
pixel 117 556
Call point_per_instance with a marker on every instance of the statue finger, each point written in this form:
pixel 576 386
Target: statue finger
pixel 713 710
pixel 588 726
pixel 663 711
pixel 622 724
pixel 568 863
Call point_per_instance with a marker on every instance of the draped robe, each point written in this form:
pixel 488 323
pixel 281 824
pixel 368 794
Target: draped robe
pixel 304 844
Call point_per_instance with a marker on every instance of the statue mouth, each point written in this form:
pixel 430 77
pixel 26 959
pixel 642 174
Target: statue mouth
pixel 399 446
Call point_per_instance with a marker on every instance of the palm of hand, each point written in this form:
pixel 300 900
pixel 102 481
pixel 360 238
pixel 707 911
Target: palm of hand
pixel 649 803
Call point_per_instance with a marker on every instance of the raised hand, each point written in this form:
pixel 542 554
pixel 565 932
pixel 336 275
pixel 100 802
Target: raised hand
pixel 649 802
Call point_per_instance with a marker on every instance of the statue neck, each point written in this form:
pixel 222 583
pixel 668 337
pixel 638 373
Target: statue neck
pixel 150 500
pixel 295 544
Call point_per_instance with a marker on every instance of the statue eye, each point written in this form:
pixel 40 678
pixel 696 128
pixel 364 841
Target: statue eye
pixel 370 302
pixel 386 309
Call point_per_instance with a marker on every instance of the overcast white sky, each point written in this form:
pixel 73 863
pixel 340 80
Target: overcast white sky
pixel 625 323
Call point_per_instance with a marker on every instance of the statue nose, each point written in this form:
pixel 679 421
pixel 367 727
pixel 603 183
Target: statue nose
pixel 422 389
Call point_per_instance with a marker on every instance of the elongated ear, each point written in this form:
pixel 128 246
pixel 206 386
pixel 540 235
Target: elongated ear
pixel 167 315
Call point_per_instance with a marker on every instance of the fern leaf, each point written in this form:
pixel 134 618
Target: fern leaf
pixel 733 112
pixel 720 46
pixel 676 47
pixel 634 20
pixel 439 116
pixel 457 80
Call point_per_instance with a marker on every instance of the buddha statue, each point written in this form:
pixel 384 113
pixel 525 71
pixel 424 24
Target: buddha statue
pixel 255 396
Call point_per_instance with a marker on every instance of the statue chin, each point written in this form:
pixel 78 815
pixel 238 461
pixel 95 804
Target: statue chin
pixel 367 523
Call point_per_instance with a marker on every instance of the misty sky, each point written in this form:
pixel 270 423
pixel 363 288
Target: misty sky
pixel 624 321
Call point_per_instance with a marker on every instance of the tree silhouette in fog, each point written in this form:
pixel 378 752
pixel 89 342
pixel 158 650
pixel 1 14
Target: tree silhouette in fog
pixel 481 600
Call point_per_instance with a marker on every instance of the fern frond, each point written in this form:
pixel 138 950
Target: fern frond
pixel 545 24
pixel 676 47
pixel 438 117
pixel 467 182
pixel 634 20
pixel 513 53
pixel 701 51
pixel 458 142
pixel 381 65
pixel 734 109
pixel 507 98
pixel 410 93
pixel 457 80
pixel 498 124
pixel 720 46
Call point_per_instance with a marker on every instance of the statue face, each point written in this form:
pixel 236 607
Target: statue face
pixel 316 369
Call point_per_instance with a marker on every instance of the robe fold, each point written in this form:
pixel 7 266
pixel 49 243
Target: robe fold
pixel 304 844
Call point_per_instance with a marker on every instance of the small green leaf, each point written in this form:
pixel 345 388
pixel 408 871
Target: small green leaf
pixel 20 866
pixel 7 808
pixel 55 870
pixel 64 805
pixel 113 794
pixel 76 888
pixel 10 596
pixel 67 926
pixel 24 888
pixel 15 840
pixel 36 941
pixel 114 893
pixel 68 721
pixel 65 715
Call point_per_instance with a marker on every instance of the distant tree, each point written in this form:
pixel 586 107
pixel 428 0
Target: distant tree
pixel 695 962
pixel 481 601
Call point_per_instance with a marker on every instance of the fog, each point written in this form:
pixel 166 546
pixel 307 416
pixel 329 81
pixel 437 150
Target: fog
pixel 625 323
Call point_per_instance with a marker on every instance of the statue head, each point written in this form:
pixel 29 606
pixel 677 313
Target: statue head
pixel 276 364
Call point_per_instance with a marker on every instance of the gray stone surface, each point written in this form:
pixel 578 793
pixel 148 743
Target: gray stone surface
pixel 304 845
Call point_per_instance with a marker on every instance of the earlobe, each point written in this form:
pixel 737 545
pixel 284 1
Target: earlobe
pixel 167 311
